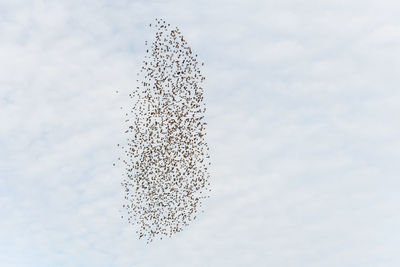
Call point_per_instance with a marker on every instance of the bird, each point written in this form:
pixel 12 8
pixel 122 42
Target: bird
pixel 166 178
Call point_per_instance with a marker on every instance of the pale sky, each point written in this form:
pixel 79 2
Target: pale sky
pixel 303 105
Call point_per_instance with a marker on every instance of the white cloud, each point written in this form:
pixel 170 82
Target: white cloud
pixel 302 102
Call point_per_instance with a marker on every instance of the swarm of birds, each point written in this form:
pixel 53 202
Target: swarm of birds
pixel 166 156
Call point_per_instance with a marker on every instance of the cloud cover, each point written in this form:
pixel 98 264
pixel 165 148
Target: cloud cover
pixel 302 100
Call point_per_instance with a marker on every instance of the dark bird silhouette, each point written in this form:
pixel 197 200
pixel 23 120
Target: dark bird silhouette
pixel 166 155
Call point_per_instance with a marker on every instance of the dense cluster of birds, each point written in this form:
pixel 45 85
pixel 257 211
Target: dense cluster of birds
pixel 166 157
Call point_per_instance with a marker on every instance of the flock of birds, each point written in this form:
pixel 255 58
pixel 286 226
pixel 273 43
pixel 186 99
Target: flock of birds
pixel 166 156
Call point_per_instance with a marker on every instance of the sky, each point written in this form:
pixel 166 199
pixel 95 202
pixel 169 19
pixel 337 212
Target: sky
pixel 302 111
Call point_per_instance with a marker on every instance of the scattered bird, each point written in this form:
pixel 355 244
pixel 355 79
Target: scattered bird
pixel 166 155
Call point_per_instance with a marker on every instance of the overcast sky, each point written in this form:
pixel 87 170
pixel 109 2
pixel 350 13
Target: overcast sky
pixel 303 128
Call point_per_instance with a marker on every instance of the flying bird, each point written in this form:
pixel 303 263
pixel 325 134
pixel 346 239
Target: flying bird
pixel 166 154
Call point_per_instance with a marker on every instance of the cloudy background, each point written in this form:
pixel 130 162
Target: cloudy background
pixel 303 112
